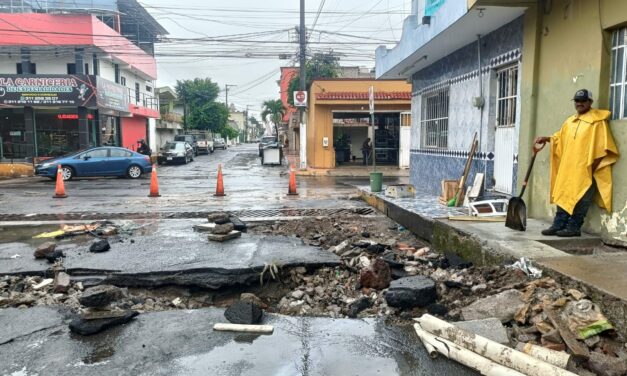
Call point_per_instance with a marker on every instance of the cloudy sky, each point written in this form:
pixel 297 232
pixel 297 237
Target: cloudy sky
pixel 240 42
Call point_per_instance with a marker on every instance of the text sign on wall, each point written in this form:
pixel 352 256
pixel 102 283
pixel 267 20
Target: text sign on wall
pixel 47 90
pixel 111 95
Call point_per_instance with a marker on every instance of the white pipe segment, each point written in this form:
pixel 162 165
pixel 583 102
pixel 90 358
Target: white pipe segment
pixel 503 355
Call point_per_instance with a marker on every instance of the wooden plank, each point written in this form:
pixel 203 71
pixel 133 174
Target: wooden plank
pixel 578 348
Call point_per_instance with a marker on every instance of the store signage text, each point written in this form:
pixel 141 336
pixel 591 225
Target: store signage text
pixel 72 116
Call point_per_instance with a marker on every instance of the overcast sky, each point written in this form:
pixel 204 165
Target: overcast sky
pixel 351 28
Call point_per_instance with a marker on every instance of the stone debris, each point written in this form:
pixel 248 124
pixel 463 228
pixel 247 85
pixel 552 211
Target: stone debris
pixel 85 327
pixel 99 245
pixel 238 224
pixel 61 282
pixel 54 256
pixel 205 227
pixel 100 296
pixel 502 306
pixel 376 275
pixel 410 292
pixel 224 237
pixel 243 313
pixel 44 250
pixel 490 328
pixel 223 229
pixel 218 218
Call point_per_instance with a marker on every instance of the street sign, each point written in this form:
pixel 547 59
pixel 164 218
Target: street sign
pixel 300 98
pixel 371 99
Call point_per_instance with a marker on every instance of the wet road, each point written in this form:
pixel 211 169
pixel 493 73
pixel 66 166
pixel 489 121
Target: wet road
pixel 38 342
pixel 248 185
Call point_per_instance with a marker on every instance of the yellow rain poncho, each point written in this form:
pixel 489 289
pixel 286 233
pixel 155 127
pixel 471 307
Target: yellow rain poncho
pixel 583 143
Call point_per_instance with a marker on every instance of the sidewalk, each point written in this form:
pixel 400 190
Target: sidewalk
pixel 583 263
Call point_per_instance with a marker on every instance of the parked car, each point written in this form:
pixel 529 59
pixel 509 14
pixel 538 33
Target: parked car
pixel 175 151
pixel 98 161
pixel 205 145
pixel 190 139
pixel 219 143
pixel 265 141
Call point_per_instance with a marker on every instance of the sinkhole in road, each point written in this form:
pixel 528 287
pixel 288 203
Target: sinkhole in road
pixel 301 265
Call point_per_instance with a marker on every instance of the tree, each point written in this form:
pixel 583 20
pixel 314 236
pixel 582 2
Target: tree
pixel 321 65
pixel 273 111
pixel 201 109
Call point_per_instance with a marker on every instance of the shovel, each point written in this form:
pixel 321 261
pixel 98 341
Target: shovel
pixel 516 209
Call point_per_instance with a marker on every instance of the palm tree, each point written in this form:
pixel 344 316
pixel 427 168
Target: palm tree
pixel 274 111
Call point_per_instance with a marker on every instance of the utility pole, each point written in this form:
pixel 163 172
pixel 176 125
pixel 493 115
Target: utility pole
pixel 303 85
pixel 226 91
pixel 246 124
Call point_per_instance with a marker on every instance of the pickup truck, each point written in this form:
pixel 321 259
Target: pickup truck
pixel 205 145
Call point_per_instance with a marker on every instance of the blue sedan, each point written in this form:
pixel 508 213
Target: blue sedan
pixel 99 161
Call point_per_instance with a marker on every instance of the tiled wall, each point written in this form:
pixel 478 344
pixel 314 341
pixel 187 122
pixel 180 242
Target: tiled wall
pixel 458 71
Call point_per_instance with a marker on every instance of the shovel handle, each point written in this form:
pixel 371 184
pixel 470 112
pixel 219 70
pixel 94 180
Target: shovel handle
pixel 535 150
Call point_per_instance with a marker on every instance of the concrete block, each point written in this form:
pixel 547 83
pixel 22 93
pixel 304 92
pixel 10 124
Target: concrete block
pixel 222 238
pixel 490 328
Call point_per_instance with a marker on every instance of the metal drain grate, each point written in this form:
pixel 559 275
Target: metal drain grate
pixel 262 213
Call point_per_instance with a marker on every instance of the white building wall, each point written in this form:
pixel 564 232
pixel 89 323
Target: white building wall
pixel 9 65
pixel 107 70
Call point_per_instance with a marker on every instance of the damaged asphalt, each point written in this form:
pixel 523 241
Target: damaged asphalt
pixel 183 343
pixel 171 252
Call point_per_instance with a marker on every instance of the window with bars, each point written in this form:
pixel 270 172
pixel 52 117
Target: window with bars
pixel 506 96
pixel 618 79
pixel 434 119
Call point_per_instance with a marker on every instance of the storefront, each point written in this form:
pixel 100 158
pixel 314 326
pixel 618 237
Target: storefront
pixel 47 116
pixel 339 122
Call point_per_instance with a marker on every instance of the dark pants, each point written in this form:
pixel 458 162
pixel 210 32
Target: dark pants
pixel 563 220
pixel 366 155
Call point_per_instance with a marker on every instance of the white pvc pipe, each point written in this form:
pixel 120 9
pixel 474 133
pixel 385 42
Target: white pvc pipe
pixel 556 358
pixel 464 356
pixel 264 329
pixel 503 355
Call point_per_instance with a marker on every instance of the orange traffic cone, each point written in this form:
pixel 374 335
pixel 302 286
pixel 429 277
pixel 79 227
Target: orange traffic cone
pixel 220 184
pixel 154 183
pixel 59 190
pixel 292 188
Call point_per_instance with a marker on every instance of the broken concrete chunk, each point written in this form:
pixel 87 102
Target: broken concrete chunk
pixel 243 313
pixel 100 296
pixel 44 250
pixel 490 328
pixel 99 245
pixel 410 292
pixel 222 238
pixel 607 365
pixel 252 298
pixel 376 276
pixel 89 327
pixel 205 227
pixel 502 306
pixel 358 306
pixel 61 282
pixel 223 229
pixel 238 224
pixel 54 256
pixel 218 218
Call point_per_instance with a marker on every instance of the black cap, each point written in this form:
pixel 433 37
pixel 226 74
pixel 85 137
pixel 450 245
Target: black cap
pixel 583 95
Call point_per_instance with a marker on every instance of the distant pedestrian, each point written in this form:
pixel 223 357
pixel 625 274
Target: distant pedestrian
pixel 143 148
pixel 366 151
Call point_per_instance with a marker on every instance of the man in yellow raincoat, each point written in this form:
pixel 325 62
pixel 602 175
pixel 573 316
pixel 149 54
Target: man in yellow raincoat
pixel 582 154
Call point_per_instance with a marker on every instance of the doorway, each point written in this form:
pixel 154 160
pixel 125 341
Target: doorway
pixel 506 133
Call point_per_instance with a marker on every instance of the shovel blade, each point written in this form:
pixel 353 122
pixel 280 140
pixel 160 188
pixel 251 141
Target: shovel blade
pixel 516 214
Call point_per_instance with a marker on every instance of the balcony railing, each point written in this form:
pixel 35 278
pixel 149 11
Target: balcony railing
pixel 143 99
pixel 172 117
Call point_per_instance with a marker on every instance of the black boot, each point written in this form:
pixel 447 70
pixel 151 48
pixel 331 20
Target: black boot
pixel 551 231
pixel 568 232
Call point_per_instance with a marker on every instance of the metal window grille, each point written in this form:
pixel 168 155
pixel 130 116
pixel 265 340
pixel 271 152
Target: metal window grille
pixel 507 95
pixel 434 119
pixel 618 74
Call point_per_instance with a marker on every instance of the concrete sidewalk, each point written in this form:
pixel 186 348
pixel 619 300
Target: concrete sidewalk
pixel 354 171
pixel 584 263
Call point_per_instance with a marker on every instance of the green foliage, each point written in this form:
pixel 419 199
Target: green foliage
pixel 203 112
pixel 211 116
pixel 197 91
pixel 229 132
pixel 273 111
pixel 319 66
